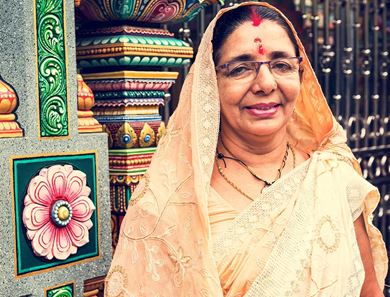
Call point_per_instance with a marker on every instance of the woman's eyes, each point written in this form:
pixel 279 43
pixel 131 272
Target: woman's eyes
pixel 240 69
pixel 243 69
pixel 282 66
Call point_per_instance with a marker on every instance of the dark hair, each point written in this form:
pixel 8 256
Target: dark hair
pixel 232 19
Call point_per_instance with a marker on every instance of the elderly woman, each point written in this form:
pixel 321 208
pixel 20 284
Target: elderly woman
pixel 252 191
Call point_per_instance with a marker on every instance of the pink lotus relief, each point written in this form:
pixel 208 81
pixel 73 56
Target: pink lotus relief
pixel 57 212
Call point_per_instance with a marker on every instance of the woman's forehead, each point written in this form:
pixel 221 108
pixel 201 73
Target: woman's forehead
pixel 245 38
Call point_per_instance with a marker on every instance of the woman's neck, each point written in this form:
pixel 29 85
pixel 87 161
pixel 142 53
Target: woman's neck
pixel 259 151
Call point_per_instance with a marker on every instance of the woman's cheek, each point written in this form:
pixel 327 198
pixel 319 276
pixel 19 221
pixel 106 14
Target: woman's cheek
pixel 290 90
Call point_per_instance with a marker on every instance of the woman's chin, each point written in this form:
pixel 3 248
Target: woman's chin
pixel 269 131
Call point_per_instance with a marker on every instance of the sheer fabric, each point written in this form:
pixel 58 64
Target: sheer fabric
pixel 306 245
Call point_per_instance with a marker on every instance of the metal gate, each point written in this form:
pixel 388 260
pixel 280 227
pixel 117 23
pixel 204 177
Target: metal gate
pixel 347 42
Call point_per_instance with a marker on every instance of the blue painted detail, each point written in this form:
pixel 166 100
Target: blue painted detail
pixel 126 138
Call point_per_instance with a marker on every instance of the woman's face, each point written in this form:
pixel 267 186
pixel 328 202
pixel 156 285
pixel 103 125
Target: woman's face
pixel 262 105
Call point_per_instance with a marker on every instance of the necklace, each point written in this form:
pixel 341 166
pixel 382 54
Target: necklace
pixel 221 156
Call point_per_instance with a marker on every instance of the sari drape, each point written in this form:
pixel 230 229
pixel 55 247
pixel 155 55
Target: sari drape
pixel 305 236
pixel 166 248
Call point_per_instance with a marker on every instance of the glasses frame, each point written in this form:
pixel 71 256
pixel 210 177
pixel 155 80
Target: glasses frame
pixel 257 63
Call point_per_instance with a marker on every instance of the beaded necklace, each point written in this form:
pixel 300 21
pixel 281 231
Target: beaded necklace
pixel 221 156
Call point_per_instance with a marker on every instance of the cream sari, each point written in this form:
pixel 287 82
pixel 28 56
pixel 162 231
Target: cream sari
pixel 297 239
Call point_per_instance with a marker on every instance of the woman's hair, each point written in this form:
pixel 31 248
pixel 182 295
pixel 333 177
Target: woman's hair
pixel 232 19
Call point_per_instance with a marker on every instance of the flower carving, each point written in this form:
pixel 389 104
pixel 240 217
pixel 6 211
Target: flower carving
pixel 57 212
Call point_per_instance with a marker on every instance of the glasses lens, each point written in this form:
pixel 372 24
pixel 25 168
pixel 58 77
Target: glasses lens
pixel 284 67
pixel 241 70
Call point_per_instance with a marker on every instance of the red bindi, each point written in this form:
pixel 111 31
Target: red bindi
pixel 256 19
pixel 260 48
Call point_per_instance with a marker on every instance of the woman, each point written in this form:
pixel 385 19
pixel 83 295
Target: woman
pixel 252 191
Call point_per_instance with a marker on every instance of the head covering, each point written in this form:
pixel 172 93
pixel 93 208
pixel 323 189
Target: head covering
pixel 167 222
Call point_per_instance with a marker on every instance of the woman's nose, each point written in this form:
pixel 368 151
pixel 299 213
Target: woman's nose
pixel 264 81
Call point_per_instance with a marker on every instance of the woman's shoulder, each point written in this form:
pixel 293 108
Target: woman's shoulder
pixel 344 172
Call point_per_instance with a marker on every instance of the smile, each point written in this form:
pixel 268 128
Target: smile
pixel 263 110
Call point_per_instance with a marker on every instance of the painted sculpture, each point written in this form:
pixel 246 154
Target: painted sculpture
pixel 148 11
pixel 85 101
pixel 8 102
pixel 57 212
pixel 124 46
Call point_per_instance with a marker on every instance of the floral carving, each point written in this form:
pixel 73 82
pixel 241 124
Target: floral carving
pixel 57 212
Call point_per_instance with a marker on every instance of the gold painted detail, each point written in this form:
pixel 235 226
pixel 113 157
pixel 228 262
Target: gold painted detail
pixel 126 136
pixel 85 97
pixel 8 102
pixel 85 101
pixel 126 179
pixel 147 136
pixel 86 123
pixel 63 213
pixel 93 293
pixel 160 132
pixel 134 49
pixel 124 162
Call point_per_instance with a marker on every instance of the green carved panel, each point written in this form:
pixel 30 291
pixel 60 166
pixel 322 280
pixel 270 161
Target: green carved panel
pixel 63 291
pixel 52 77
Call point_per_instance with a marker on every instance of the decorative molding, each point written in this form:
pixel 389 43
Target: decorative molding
pixel 85 98
pixel 138 106
pixel 152 48
pixel 129 95
pixel 125 74
pixel 138 43
pixel 135 134
pixel 51 68
pixel 123 30
pixel 123 60
pixel 130 84
pixel 8 103
pixel 129 162
pixel 151 11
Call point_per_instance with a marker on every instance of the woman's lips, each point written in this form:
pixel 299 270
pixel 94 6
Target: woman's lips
pixel 263 110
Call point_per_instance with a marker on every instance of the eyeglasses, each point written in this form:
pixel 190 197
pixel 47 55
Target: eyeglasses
pixel 248 70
